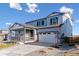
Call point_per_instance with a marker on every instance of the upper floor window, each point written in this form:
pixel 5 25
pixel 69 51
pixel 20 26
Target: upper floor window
pixel 38 23
pixel 51 21
pixel 54 20
pixel 42 22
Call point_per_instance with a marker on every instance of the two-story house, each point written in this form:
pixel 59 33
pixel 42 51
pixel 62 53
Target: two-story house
pixel 49 29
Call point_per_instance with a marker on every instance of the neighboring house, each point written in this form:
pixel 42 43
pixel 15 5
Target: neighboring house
pixel 3 35
pixel 49 29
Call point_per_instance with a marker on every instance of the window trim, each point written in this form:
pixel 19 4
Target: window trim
pixel 53 20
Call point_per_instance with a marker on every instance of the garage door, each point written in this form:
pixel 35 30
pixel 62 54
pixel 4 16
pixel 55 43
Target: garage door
pixel 48 38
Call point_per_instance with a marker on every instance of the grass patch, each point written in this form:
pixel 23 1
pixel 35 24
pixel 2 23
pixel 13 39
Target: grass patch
pixel 5 45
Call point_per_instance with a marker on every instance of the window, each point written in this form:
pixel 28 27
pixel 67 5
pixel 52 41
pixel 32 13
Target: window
pixel 27 31
pixel 40 33
pixel 49 33
pixel 31 33
pixel 54 20
pixel 38 23
pixel 13 33
pixel 44 33
pixel 51 21
pixel 42 22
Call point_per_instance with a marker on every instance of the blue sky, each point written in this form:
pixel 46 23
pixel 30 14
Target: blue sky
pixel 11 13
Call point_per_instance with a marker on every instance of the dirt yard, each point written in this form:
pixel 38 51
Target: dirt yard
pixel 43 52
pixel 72 53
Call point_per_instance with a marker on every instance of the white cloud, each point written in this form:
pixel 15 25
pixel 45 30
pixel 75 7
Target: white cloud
pixel 65 9
pixel 8 23
pixel 32 8
pixel 16 6
pixel 68 12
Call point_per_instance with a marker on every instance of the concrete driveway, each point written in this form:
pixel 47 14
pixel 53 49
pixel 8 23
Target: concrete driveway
pixel 20 50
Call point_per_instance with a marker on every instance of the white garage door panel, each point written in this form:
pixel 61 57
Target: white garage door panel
pixel 47 38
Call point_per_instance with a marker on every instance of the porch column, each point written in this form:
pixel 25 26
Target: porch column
pixel 35 35
pixel 24 35
pixel 9 35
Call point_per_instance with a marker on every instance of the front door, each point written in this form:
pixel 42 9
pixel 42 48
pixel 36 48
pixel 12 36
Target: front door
pixel 29 35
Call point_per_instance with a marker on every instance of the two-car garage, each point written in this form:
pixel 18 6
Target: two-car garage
pixel 48 37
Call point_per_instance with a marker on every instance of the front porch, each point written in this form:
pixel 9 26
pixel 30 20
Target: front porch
pixel 23 34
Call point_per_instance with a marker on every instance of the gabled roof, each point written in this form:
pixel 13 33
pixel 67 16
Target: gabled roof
pixel 33 27
pixel 21 26
pixel 55 13
pixel 51 14
pixel 36 20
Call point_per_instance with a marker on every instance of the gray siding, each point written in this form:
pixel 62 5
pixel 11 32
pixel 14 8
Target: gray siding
pixel 46 21
pixel 33 23
pixel 40 21
pixel 59 20
pixel 67 27
pixel 48 30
